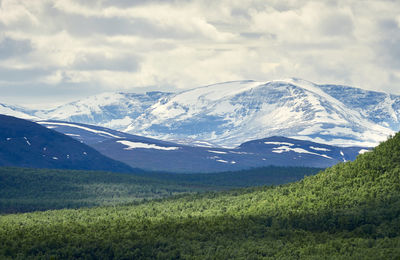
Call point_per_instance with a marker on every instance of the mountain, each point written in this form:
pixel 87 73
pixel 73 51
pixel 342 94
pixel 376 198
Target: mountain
pixel 156 155
pixel 349 211
pixel 17 111
pixel 231 113
pixel 113 110
pixel 27 144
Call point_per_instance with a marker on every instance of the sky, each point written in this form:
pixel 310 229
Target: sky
pixel 57 51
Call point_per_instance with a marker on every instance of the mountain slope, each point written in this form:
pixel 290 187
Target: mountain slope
pixel 381 108
pixel 350 211
pixel 113 110
pixel 27 144
pixel 156 155
pixel 17 112
pixel 231 113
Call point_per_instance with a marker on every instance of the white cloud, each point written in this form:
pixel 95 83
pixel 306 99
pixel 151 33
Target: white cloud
pixel 169 45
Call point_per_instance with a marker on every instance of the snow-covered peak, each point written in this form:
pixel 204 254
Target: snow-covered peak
pixel 230 113
pixel 215 92
pixel 111 109
pixel 17 112
pixel 85 106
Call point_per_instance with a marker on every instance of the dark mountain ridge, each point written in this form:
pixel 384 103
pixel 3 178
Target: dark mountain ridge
pixel 27 144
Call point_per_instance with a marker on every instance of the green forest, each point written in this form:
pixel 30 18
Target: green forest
pixel 349 211
pixel 24 189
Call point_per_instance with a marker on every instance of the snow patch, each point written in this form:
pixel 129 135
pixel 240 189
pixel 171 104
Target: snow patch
pixel 132 145
pixel 320 149
pixel 219 152
pixel 73 135
pixel 234 152
pixel 223 161
pixel 202 144
pixel 342 154
pixel 363 151
pixel 80 127
pixel 279 143
pixel 284 149
pixel 27 141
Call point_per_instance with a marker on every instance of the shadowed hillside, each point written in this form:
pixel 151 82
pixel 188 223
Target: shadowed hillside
pixel 27 144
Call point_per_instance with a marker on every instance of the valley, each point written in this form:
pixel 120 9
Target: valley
pixel 348 211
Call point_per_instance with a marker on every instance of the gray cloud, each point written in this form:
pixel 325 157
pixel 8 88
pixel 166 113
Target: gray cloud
pixel 253 35
pixel 389 44
pixel 128 3
pixel 83 26
pixel 40 95
pixel 11 48
pixel 97 61
pixel 87 26
pixel 337 24
pixel 22 75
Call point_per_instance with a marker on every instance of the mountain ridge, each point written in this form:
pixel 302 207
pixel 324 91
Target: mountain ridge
pixel 230 113
pixel 27 144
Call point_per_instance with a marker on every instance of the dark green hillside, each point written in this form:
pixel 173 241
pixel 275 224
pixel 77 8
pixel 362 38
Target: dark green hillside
pixel 350 211
pixel 24 190
pixel 272 175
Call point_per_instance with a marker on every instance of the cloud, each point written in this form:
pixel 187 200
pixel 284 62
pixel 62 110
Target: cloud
pixel 12 76
pixel 388 44
pixel 99 61
pixel 125 45
pixel 11 48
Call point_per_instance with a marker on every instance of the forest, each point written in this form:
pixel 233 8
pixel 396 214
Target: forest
pixel 25 189
pixel 348 211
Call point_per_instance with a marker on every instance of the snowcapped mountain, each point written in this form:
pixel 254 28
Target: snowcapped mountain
pixel 17 112
pixel 156 155
pixel 113 110
pixel 231 113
